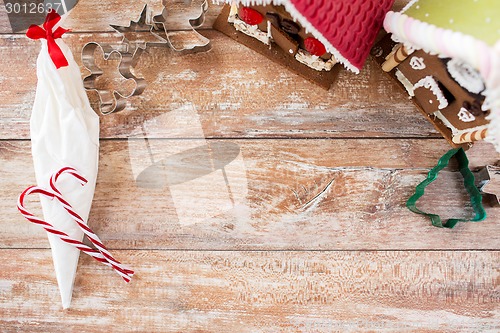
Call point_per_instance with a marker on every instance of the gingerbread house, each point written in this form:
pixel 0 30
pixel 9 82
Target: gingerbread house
pixel 314 33
pixel 446 55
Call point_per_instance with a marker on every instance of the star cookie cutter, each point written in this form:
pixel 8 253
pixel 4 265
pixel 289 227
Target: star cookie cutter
pixel 137 37
pixel 475 195
pixel 163 21
pixel 110 100
pixel 489 183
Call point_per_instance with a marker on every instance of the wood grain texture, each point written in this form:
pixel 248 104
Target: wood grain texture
pixel 179 291
pixel 226 152
pixel 96 16
pixel 281 194
pixel 230 88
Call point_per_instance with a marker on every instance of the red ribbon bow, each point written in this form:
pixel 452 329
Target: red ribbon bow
pixel 36 32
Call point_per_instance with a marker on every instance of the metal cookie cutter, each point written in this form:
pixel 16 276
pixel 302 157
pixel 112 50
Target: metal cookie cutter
pixel 137 37
pixel 489 183
pixel 163 24
pixel 475 195
pixel 128 52
pixel 110 100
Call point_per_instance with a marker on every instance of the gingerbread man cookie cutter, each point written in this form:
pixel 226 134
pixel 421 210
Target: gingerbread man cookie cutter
pixel 110 100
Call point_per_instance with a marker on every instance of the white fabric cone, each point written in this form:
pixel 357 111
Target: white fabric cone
pixel 64 133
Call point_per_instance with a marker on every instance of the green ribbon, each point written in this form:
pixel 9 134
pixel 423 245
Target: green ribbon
pixel 475 195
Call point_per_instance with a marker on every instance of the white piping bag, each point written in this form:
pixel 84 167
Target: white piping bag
pixel 64 133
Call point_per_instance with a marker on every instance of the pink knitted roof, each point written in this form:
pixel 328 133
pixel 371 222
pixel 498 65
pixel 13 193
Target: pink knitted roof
pixel 347 28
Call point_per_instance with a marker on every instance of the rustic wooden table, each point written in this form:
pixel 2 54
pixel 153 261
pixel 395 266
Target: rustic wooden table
pixel 299 224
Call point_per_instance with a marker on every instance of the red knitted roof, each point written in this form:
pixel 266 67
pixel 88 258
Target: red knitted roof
pixel 349 25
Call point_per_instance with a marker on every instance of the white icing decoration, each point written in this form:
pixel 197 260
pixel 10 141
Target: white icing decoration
pixel 315 62
pixel 456 45
pixel 453 129
pixel 406 83
pixel 466 76
pixel 298 17
pixel 441 42
pixel 232 13
pixel 446 122
pixel 251 30
pixel 302 56
pixel 465 116
pixel 417 63
pixel 269 33
pixel 429 82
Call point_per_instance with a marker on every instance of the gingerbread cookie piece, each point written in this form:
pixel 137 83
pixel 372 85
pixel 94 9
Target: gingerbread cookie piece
pixel 309 37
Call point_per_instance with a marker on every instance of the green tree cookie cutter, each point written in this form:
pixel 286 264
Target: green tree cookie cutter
pixel 475 195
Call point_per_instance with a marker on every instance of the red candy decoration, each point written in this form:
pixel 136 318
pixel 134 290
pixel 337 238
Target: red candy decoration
pixel 250 16
pixel 314 46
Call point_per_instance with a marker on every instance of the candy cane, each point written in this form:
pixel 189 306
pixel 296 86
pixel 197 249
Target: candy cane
pixel 62 235
pixel 69 170
pixel 81 223
pixel 104 258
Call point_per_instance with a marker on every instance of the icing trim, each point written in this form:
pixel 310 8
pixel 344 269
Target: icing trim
pixel 453 44
pixel 430 83
pixel 297 16
pixel 405 82
pixel 302 56
pixel 444 42
pixel 315 62
pixel 465 75
pixel 455 131
pixel 252 31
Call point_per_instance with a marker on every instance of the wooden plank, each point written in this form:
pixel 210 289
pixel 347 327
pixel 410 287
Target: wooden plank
pixel 261 194
pixel 178 291
pixel 97 15
pixel 229 88
pixel 94 15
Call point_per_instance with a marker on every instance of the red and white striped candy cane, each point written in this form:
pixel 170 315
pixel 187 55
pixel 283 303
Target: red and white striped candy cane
pixel 62 235
pixel 81 223
pixel 71 171
pixel 106 259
